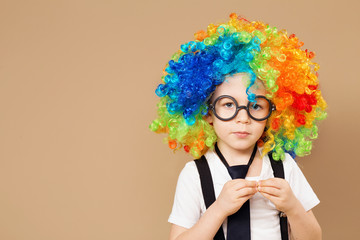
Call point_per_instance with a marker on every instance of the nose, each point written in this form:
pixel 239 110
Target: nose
pixel 242 116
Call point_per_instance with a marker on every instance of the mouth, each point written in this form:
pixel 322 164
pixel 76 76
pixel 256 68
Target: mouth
pixel 241 134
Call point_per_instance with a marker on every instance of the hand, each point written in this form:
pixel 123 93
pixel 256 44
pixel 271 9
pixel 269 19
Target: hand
pixel 279 192
pixel 234 194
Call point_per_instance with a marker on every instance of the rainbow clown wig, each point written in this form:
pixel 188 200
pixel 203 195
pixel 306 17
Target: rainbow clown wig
pixel 265 53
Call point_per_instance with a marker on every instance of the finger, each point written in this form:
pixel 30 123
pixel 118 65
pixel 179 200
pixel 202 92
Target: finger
pixel 271 182
pixel 267 182
pixel 270 197
pixel 270 190
pixel 245 198
pixel 251 183
pixel 244 183
pixel 230 183
pixel 244 192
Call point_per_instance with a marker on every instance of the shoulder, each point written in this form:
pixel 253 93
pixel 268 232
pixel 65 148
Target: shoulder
pixel 290 166
pixel 189 174
pixel 293 173
pixel 188 184
pixel 189 169
pixel 292 169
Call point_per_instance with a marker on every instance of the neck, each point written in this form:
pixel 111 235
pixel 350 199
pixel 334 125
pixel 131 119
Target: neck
pixel 235 156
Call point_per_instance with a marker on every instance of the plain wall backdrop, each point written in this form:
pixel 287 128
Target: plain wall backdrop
pixel 77 81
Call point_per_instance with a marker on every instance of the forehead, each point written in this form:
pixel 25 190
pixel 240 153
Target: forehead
pixel 236 85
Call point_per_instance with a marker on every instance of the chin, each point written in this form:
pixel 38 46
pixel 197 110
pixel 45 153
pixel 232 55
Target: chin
pixel 241 146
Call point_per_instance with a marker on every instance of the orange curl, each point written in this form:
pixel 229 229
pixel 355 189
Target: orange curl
pixel 201 35
pixel 172 144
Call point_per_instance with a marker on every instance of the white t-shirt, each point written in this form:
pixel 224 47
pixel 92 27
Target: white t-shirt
pixel 189 204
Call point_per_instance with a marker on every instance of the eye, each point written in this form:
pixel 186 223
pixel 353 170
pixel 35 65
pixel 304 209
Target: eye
pixel 256 107
pixel 225 103
pixel 229 104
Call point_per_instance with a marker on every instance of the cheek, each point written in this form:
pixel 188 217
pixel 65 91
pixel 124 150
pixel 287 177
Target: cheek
pixel 219 127
pixel 260 127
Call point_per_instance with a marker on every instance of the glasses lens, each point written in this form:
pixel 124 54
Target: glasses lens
pixel 260 108
pixel 225 107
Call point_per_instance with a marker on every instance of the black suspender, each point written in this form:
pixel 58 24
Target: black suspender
pixel 208 191
pixel 207 187
pixel 278 170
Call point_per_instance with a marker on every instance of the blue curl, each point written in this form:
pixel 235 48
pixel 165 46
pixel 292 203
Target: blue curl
pixel 194 76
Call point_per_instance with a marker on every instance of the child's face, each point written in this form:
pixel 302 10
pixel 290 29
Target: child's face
pixel 241 132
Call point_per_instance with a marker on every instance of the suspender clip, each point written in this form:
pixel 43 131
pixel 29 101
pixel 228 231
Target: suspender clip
pixel 282 214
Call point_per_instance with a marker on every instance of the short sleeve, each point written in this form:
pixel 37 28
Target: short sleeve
pixel 186 209
pixel 300 186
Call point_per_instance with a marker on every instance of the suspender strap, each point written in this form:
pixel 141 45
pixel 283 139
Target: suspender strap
pixel 277 167
pixel 207 187
pixel 278 170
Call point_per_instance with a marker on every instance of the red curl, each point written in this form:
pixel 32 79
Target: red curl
pixel 300 119
pixel 187 148
pixel 275 123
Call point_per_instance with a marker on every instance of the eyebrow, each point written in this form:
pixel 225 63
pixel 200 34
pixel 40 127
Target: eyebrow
pixel 256 95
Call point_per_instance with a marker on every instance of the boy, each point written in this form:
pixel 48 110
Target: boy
pixel 240 86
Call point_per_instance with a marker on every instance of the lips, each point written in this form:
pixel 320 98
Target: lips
pixel 241 134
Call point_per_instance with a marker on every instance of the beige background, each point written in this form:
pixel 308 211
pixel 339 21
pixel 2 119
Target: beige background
pixel 77 81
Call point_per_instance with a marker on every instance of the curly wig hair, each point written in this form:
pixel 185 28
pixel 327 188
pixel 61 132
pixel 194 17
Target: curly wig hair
pixel 240 46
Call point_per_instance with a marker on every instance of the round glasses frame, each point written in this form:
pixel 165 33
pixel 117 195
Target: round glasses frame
pixel 272 108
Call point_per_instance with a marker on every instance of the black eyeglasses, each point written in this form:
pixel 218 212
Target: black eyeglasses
pixel 225 108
